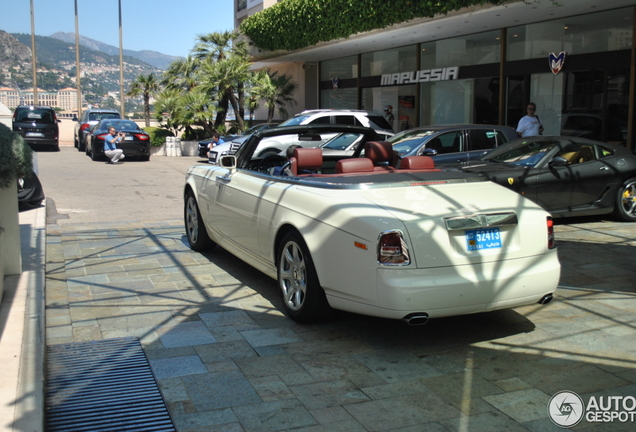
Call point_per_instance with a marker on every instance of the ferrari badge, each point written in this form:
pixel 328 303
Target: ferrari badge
pixel 510 181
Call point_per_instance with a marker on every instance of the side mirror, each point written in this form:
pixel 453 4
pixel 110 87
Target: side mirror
pixel 429 152
pixel 228 161
pixel 558 161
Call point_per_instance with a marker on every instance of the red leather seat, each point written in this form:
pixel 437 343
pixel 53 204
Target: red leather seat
pixel 381 154
pixel 356 165
pixel 306 159
pixel 417 162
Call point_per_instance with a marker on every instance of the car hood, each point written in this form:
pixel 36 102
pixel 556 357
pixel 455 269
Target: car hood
pixel 435 218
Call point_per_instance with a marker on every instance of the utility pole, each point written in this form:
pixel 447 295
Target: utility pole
pixel 34 58
pixel 77 66
pixel 121 66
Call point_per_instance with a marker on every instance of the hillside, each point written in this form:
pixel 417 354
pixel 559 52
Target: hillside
pixel 57 69
pixel 154 58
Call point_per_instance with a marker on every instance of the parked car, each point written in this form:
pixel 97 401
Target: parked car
pixel 451 143
pixel 30 192
pixel 136 143
pixel 375 121
pixel 90 117
pixel 38 125
pixel 411 243
pixel 344 144
pixel 567 176
pixel 203 144
pixel 226 148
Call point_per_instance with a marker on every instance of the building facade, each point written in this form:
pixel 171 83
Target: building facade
pixel 578 69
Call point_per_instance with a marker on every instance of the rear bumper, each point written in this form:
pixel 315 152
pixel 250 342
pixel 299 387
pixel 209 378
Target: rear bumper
pixel 459 290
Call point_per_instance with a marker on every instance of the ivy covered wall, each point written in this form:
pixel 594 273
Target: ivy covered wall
pixel 295 24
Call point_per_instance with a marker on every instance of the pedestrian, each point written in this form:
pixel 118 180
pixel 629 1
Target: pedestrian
pixel 530 125
pixel 216 140
pixel 388 114
pixel 110 146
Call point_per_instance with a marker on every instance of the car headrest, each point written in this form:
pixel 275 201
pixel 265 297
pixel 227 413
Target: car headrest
pixel 379 151
pixel 417 162
pixel 308 158
pixel 344 166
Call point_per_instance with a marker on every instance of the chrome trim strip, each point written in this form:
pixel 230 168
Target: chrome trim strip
pixel 480 221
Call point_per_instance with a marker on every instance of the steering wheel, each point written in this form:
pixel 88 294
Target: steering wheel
pixel 268 162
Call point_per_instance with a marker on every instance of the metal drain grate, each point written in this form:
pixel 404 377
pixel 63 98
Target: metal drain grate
pixel 103 386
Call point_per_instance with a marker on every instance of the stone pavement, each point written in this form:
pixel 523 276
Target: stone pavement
pixel 227 359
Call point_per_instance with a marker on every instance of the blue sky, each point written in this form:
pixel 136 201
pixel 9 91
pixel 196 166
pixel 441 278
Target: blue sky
pixel 167 26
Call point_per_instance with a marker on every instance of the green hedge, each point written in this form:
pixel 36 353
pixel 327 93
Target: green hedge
pixel 16 157
pixel 296 24
pixel 157 135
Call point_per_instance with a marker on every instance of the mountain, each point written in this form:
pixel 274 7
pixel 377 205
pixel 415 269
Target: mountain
pixel 158 60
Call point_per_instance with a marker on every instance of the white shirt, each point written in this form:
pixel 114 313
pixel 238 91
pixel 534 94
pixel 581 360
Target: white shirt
pixel 529 126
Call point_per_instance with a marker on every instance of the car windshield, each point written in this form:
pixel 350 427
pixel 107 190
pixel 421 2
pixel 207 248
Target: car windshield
pixel 41 116
pixel 295 121
pixel 406 141
pixel 119 125
pixel 103 116
pixel 341 142
pixel 528 153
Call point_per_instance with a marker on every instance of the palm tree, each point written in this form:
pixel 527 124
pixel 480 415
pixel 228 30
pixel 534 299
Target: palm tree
pixel 276 92
pixel 145 86
pixel 182 74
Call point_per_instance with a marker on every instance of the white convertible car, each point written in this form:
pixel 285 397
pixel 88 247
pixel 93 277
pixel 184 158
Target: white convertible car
pixel 375 235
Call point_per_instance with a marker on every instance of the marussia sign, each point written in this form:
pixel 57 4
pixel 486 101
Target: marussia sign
pixel 427 75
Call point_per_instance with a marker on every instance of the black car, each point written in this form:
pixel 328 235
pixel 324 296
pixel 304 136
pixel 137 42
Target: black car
pixel 30 192
pixel 451 143
pixel 567 176
pixel 136 143
pixel 90 118
pixel 38 125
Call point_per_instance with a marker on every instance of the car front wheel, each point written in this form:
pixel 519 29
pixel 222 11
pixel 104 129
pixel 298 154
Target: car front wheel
pixel 195 228
pixel 626 201
pixel 303 298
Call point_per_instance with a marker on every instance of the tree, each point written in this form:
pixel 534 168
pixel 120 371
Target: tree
pixel 145 86
pixel 275 91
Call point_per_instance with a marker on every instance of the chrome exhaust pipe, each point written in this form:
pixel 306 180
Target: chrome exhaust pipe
pixel 416 319
pixel 546 299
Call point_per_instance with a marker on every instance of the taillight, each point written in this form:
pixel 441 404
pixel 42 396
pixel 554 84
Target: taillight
pixel 85 126
pixel 102 136
pixel 551 240
pixel 142 137
pixel 392 249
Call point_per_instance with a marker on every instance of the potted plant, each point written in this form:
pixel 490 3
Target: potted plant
pixel 16 160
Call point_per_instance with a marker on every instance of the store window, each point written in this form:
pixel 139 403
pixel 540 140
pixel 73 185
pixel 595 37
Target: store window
pixel 346 98
pixel 389 61
pixel 597 32
pixel 397 103
pixel 474 49
pixel 342 68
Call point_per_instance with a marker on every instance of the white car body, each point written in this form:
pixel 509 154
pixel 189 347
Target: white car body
pixel 340 218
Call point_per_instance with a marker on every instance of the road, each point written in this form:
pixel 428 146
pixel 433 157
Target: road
pixel 83 191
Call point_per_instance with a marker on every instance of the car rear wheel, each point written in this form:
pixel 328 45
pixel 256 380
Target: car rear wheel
pixel 303 298
pixel 195 228
pixel 626 201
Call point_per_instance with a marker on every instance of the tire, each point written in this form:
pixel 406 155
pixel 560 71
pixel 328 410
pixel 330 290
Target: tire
pixel 81 146
pixel 144 158
pixel 625 208
pixel 198 237
pixel 303 298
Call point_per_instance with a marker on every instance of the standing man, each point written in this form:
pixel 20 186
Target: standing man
pixel 216 140
pixel 110 146
pixel 530 125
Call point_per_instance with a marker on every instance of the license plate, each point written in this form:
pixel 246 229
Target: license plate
pixel 212 157
pixel 479 239
pixel 34 134
pixel 129 138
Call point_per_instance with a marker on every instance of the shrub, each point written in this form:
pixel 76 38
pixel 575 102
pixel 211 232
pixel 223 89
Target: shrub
pixel 193 134
pixel 157 135
pixel 16 157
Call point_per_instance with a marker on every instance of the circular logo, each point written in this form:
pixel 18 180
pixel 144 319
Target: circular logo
pixel 566 409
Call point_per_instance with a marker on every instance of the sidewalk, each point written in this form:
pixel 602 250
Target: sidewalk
pixel 22 345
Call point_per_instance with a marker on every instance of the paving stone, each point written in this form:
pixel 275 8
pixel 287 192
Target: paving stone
pixel 490 421
pixel 328 393
pixel 205 420
pixel 170 367
pixel 522 405
pixel 274 416
pixel 185 334
pixel 220 390
pixel 265 337
pixel 281 365
pixel 398 365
